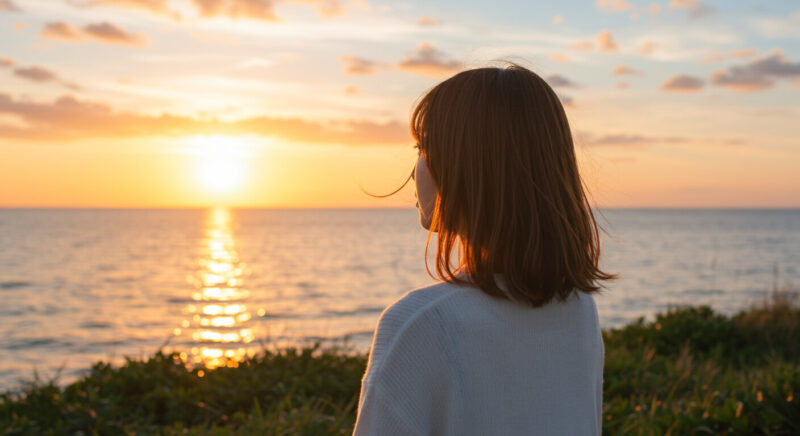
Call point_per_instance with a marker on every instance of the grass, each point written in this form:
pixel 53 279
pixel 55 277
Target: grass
pixel 689 371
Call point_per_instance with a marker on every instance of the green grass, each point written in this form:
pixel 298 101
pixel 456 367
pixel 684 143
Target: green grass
pixel 690 371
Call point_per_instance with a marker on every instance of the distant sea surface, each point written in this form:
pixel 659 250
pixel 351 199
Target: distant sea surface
pixel 78 286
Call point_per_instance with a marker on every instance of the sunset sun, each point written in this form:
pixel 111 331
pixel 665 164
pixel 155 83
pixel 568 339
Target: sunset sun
pixel 220 164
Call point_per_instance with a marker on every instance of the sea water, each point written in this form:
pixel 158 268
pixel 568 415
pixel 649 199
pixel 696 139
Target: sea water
pixel 78 286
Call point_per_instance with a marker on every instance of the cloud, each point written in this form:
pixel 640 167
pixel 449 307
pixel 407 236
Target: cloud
pixel 35 74
pixel 778 27
pixel 257 9
pixel 558 81
pixel 624 70
pixel 428 22
pixel 566 100
pixel 326 8
pixel 109 33
pixel 584 45
pixel 358 66
pixel 683 4
pixel 558 19
pixel 606 42
pixel 715 56
pixel 102 32
pixel 8 5
pixel 351 90
pixel 683 83
pixel 428 61
pixel 559 57
pixel 254 9
pixel 623 85
pixel 629 140
pixel 68 118
pixel 757 75
pixel 646 48
pixel 263 10
pixel 613 5
pixel 638 141
pixel 695 8
pixel 60 30
pixel 159 7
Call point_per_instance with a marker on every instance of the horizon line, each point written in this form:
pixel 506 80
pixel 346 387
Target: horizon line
pixel 632 208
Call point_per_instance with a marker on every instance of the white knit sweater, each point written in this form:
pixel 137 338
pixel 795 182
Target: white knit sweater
pixel 451 360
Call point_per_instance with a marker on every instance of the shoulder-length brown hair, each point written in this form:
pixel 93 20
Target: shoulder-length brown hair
pixel 499 149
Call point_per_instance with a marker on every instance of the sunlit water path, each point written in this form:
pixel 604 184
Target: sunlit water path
pixel 78 286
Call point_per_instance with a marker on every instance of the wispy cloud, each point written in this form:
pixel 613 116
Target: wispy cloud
pixel 778 27
pixel 7 62
pixel 613 5
pixel 757 75
pixel 683 83
pixel 646 48
pixel 107 32
pixel 159 7
pixel 584 45
pixel 358 66
pixel 35 74
pixel 624 70
pixel 38 74
pixel 624 139
pixel 606 42
pixel 695 8
pixel 326 8
pixel 427 60
pixel 8 5
pixel 428 22
pixel 263 10
pixel 559 81
pixel 68 118
pixel 637 140
pixel 60 30
pixel 716 56
pixel 103 32
pixel 257 9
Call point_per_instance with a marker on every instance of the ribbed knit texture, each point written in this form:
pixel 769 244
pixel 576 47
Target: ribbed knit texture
pixel 450 360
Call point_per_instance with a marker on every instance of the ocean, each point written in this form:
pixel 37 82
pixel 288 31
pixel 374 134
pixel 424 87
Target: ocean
pixel 83 285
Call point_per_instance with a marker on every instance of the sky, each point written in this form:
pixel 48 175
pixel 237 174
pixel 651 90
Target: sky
pixel 305 103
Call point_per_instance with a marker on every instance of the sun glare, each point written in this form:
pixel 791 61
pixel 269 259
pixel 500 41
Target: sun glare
pixel 221 161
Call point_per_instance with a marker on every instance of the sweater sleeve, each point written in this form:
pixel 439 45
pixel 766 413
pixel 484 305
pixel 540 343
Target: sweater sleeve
pixel 378 416
pixel 409 386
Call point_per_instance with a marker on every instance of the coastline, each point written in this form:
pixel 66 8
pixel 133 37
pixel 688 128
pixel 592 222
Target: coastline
pixel 690 369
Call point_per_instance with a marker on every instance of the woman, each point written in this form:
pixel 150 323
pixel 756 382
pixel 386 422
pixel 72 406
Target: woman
pixel 508 343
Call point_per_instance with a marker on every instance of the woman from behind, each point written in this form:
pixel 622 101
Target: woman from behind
pixel 508 341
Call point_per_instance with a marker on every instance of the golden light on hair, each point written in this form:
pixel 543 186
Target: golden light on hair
pixel 499 149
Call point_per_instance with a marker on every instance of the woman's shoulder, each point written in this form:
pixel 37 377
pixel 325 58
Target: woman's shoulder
pixel 408 318
pixel 414 304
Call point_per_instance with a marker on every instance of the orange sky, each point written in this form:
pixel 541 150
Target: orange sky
pixel 257 103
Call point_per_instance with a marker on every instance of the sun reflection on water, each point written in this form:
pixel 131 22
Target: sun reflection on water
pixel 220 329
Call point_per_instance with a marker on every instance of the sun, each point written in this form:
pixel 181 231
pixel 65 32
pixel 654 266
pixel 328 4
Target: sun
pixel 220 174
pixel 221 160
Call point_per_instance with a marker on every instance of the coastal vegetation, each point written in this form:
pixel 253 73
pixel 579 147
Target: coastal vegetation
pixel 688 371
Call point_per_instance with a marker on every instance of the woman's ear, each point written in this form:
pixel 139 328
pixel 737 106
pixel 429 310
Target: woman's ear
pixel 427 193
